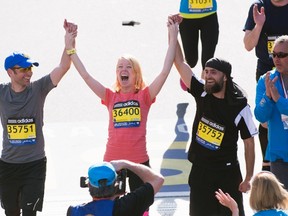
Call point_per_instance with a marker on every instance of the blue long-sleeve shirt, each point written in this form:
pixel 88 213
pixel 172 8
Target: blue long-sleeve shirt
pixel 266 110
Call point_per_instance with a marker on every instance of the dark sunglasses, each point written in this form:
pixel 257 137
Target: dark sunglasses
pixel 279 55
pixel 23 70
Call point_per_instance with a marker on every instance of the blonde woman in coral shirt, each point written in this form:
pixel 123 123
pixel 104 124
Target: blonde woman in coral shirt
pixel 128 105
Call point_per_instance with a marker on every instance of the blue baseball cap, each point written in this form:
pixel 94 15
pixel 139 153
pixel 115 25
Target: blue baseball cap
pixel 102 171
pixel 20 59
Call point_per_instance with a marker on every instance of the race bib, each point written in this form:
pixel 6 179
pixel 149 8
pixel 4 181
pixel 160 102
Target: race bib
pixel 210 134
pixel 21 131
pixel 200 5
pixel 270 43
pixel 126 114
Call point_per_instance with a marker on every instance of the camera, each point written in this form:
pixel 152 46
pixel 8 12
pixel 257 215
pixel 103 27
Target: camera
pixel 120 182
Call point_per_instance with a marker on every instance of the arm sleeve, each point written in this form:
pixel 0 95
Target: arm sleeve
pixel 246 124
pixel 263 104
pixel 136 201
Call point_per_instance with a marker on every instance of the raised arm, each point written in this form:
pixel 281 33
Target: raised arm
pixel 93 84
pixel 146 174
pixel 251 37
pixel 157 84
pixel 182 67
pixel 65 63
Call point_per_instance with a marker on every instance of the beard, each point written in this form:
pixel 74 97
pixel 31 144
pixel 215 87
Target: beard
pixel 217 87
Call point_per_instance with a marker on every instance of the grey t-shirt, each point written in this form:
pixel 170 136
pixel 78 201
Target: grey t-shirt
pixel 22 121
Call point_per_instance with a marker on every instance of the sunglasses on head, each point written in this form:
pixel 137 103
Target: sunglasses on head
pixel 279 55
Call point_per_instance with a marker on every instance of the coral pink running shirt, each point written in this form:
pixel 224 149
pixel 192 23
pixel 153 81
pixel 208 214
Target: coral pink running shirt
pixel 127 125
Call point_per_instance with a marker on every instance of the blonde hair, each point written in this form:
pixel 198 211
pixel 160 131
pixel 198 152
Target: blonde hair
pixel 267 192
pixel 139 83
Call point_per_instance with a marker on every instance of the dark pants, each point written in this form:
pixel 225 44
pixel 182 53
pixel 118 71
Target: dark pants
pixel 22 187
pixel 263 139
pixel 280 169
pixel 134 180
pixel 263 132
pixel 208 28
pixel 204 181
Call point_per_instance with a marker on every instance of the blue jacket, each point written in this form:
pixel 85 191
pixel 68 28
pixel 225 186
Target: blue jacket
pixel 274 212
pixel 97 208
pixel 266 110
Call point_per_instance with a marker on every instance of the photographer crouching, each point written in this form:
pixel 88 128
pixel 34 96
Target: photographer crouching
pixel 106 182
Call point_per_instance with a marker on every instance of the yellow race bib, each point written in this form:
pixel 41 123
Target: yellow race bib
pixel 200 4
pixel 210 134
pixel 126 114
pixel 21 131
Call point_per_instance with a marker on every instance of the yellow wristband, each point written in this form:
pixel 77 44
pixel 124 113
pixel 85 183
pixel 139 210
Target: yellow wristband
pixel 71 51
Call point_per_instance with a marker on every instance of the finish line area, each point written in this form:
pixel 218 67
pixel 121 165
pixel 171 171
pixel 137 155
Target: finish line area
pixel 82 144
pixel 71 148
